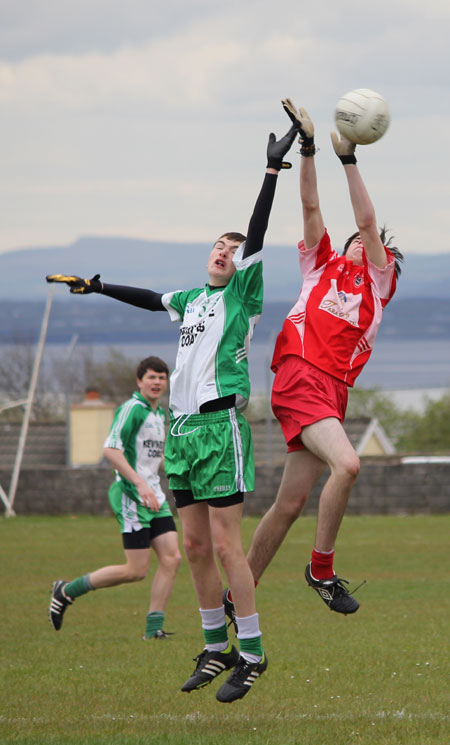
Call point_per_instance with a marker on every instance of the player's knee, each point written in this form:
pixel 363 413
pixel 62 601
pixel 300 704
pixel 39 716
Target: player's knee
pixel 229 551
pixel 195 549
pixel 174 561
pixel 223 551
pixel 170 562
pixel 350 467
pixel 288 510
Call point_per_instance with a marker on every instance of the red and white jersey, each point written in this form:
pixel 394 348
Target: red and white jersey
pixel 335 320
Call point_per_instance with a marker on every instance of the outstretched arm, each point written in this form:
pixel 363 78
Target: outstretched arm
pixel 140 298
pixel 313 225
pixel 363 208
pixel 276 150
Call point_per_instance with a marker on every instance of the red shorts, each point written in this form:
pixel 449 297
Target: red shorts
pixel 302 394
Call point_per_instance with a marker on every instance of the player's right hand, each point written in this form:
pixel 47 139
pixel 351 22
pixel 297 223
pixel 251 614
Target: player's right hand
pixel 301 120
pixel 77 284
pixel 148 497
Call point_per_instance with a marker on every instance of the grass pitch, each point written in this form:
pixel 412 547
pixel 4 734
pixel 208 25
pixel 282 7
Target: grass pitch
pixel 380 677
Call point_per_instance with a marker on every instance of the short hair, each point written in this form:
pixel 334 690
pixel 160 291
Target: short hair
pixel 151 363
pixel 397 254
pixel 238 237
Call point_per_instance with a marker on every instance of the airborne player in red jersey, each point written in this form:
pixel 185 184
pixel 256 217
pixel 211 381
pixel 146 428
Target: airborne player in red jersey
pixel 325 342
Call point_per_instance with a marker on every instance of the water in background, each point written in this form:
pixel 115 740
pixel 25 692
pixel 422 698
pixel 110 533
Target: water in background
pixel 408 369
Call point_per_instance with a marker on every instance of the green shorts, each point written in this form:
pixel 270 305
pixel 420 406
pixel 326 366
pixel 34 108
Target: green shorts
pixel 210 454
pixel 131 515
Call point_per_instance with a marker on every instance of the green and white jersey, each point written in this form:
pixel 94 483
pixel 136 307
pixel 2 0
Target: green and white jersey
pixel 217 326
pixel 139 432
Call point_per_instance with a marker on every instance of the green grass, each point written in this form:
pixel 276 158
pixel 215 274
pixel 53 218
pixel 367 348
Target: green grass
pixel 380 677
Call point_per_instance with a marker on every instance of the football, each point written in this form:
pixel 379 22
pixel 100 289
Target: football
pixel 362 116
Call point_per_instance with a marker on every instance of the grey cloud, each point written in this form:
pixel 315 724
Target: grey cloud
pixel 32 27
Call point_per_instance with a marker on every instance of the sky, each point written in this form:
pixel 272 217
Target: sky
pixel 150 119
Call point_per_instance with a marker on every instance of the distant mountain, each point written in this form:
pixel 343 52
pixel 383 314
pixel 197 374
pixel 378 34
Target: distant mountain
pixel 168 266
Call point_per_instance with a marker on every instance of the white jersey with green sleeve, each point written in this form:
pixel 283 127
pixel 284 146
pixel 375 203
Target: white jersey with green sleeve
pixel 216 329
pixel 139 432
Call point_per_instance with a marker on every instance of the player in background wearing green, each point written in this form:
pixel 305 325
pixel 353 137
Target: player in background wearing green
pixel 209 454
pixel 134 447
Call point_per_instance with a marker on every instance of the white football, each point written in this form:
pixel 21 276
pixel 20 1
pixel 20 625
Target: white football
pixel 362 116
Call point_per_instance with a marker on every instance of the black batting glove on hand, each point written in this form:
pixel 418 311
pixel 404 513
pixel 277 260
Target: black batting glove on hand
pixel 277 149
pixel 78 286
pixel 303 125
pixel 344 149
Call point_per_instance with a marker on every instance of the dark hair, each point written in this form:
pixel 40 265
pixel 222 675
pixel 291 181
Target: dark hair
pixel 397 254
pixel 151 363
pixel 238 237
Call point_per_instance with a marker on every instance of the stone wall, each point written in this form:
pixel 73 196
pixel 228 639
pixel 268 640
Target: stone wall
pixel 384 486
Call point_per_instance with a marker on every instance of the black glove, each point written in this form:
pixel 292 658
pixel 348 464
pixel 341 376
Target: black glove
pixel 77 284
pixel 277 149
pixel 303 125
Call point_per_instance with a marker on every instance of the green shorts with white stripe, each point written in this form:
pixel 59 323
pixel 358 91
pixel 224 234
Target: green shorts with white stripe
pixel 210 454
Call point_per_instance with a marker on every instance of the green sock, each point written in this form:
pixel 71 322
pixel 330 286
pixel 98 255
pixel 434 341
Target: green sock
pixel 216 636
pixel 153 623
pixel 252 646
pixel 79 586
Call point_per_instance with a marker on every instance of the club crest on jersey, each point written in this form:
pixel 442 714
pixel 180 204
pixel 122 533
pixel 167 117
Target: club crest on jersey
pixel 208 306
pixel 358 280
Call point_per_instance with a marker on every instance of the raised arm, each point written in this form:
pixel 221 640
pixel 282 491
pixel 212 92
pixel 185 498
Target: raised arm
pixel 313 225
pixel 147 299
pixel 276 150
pixel 363 208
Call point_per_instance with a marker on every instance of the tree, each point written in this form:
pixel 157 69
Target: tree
pixel 16 366
pixel 429 433
pixel 114 377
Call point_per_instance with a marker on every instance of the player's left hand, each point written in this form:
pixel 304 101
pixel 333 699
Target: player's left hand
pixel 344 149
pixel 277 149
pixel 77 284
pixel 301 120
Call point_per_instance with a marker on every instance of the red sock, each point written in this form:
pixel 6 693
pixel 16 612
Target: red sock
pixel 322 564
pixel 229 591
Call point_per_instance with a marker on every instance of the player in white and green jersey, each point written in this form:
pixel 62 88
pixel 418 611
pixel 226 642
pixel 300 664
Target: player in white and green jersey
pixel 217 324
pixel 208 453
pixel 135 446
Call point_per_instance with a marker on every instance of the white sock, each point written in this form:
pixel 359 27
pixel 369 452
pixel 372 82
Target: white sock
pixel 248 628
pixel 212 618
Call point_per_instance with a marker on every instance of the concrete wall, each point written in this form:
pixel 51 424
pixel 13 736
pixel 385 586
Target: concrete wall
pixel 384 486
